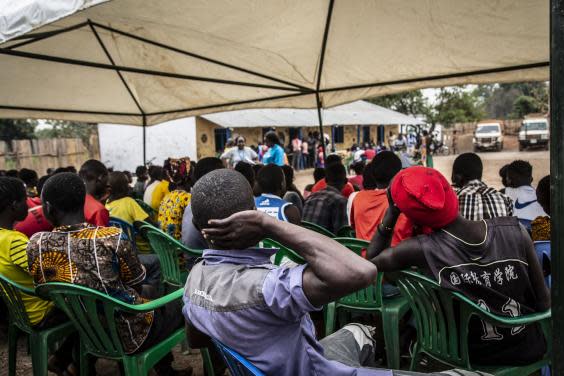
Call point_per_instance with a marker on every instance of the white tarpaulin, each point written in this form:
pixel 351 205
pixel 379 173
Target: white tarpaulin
pixel 126 61
pixel 355 113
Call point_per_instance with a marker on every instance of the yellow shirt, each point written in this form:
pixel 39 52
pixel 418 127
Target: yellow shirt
pixel 171 212
pixel 161 190
pixel 127 210
pixel 13 265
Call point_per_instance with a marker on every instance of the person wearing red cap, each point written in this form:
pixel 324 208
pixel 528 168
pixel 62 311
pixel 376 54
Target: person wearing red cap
pixel 492 262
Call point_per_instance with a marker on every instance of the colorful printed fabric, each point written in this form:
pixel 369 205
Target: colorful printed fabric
pixel 540 229
pixel 95 257
pixel 171 212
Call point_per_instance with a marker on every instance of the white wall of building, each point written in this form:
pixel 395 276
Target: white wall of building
pixel 121 146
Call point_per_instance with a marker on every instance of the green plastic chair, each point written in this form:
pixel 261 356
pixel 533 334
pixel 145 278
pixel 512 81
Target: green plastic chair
pixel 40 340
pixel 439 336
pixel 147 208
pixel 346 232
pixel 93 314
pixel 169 250
pixel 369 300
pixel 283 252
pixel 318 229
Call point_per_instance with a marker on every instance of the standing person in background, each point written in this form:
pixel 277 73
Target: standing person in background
pixel 311 147
pixel 454 143
pixel 139 187
pixel 525 204
pixel 297 153
pixel 241 153
pixel 275 153
pixel 305 153
pixel 95 177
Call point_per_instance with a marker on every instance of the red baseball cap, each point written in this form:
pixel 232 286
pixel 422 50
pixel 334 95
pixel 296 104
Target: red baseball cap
pixel 425 196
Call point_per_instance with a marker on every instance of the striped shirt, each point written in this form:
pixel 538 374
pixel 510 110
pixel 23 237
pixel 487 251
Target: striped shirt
pixel 13 265
pixel 326 208
pixel 477 201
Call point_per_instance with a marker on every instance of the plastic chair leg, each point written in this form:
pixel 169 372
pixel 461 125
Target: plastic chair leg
pixel 84 360
pixel 39 353
pixel 131 367
pixel 415 358
pixel 330 318
pixel 390 321
pixel 12 349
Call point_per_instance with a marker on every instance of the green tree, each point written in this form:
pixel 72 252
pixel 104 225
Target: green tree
pixel 67 129
pixel 456 105
pixel 410 102
pixel 17 129
pixel 499 100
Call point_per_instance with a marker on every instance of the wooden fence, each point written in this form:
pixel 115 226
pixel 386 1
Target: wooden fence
pixel 42 154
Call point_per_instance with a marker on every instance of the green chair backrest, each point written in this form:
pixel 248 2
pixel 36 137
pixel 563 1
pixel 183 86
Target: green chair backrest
pixel 169 250
pixel 148 209
pixel 317 228
pixel 437 331
pixel 371 296
pixel 11 294
pixel 93 314
pixel 346 232
pixel 283 252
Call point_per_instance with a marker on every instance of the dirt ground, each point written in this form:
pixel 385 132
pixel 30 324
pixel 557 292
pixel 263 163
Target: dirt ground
pixel 491 160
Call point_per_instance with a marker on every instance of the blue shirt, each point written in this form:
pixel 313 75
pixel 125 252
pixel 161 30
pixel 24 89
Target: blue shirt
pixel 274 155
pixel 260 310
pixel 272 205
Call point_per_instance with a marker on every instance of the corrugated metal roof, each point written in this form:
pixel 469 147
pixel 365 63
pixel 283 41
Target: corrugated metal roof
pixel 355 113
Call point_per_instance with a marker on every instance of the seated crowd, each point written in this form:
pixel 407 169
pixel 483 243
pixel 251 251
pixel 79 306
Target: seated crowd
pixel 468 237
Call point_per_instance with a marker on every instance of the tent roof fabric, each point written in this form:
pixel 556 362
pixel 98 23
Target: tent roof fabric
pixel 131 62
pixel 355 113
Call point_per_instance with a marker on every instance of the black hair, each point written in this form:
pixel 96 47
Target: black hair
pixel 519 173
pixel 381 170
pixel 12 173
pixel 358 167
pixel 41 183
pixel 333 158
pixel 272 137
pixel 119 185
pixel 58 170
pixel 219 194
pixel 270 179
pixel 289 177
pixel 72 169
pixel 503 174
pixel 335 174
pixel 205 166
pixel 140 171
pixel 29 177
pixel 468 166
pixel 257 168
pixel 65 192
pixel 246 169
pixel 11 190
pixel 318 174
pixel 543 193
pixel 92 169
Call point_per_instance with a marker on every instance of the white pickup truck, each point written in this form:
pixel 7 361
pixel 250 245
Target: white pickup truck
pixel 488 136
pixel 534 133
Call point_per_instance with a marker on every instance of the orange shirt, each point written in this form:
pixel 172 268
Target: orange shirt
pixel 322 184
pixel 367 212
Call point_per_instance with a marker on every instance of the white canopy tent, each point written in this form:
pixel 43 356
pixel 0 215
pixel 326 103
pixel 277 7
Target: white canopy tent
pixel 355 113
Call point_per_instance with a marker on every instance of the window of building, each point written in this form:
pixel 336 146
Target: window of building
pixel 339 134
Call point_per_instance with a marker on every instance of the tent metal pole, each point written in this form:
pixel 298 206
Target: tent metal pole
pixel 148 72
pixel 32 38
pixel 318 101
pixel 557 180
pixel 144 139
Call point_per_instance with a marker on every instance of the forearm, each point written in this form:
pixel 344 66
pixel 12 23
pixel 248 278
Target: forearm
pixel 332 263
pixel 383 235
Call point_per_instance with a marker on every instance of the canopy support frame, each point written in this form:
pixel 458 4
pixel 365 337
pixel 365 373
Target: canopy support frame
pixel 32 38
pixel 557 180
pixel 318 102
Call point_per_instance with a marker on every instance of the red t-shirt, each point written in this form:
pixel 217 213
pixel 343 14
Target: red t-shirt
pixel 367 212
pixel 370 154
pixel 95 213
pixel 356 180
pixel 322 184
pixel 35 220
